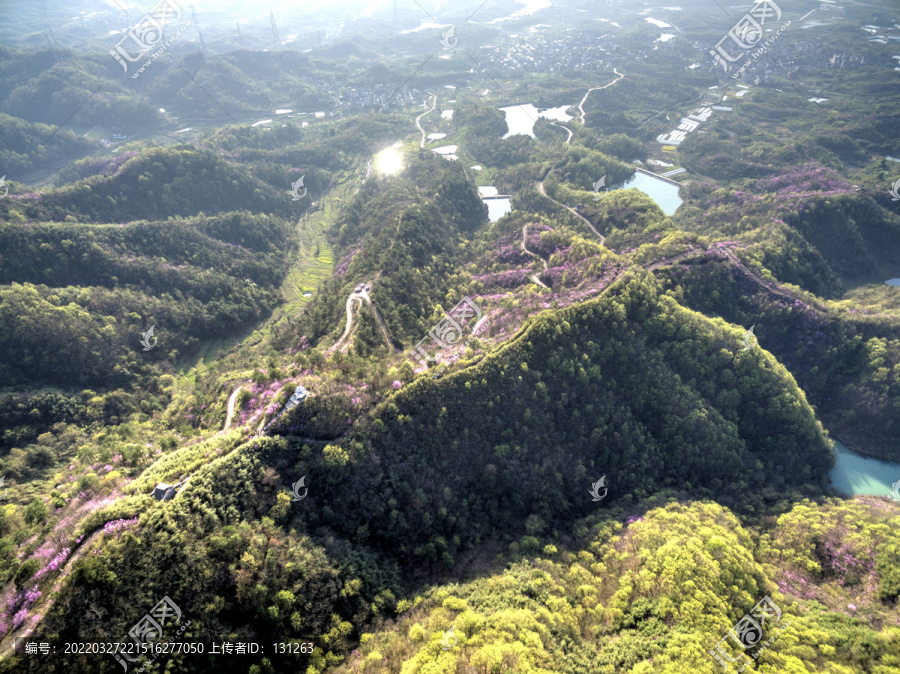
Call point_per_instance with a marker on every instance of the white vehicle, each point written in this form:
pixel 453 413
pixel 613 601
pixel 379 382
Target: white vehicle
pixel 367 288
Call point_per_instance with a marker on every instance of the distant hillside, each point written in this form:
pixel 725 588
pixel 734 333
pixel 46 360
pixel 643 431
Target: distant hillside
pixel 82 295
pixel 26 147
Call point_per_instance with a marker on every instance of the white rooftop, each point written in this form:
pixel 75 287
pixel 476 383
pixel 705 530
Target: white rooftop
pixel 446 149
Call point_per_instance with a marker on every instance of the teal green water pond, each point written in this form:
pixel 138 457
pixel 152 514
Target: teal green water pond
pixel 857 475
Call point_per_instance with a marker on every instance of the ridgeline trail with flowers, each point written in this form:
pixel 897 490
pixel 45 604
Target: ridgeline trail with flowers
pixel 722 251
pixel 525 250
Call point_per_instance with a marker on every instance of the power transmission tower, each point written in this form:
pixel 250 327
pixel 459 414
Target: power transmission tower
pixel 275 38
pixel 199 34
pixel 54 46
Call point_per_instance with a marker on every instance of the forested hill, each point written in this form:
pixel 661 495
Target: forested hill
pixel 631 386
pixel 609 387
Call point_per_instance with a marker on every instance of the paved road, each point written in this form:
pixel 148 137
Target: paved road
pixel 360 297
pixel 433 104
pixel 354 297
pixel 561 126
pixel 581 109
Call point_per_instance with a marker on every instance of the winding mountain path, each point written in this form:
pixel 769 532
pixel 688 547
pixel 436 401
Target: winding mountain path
pixel 561 126
pixel 572 211
pixel 419 126
pixel 581 109
pixel 534 277
pixel 232 399
pixel 348 329
pixel 354 297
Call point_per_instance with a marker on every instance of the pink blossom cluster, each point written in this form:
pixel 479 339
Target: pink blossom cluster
pixel 807 178
pixel 342 266
pixel 19 618
pixel 536 244
pixel 22 601
pixel 117 525
pixel 507 252
pixel 260 397
pixel 568 273
pixel 505 279
pixel 54 564
pixel 103 165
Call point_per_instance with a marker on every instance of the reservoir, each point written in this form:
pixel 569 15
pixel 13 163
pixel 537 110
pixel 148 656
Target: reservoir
pixel 521 118
pixel 857 475
pixel 664 193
